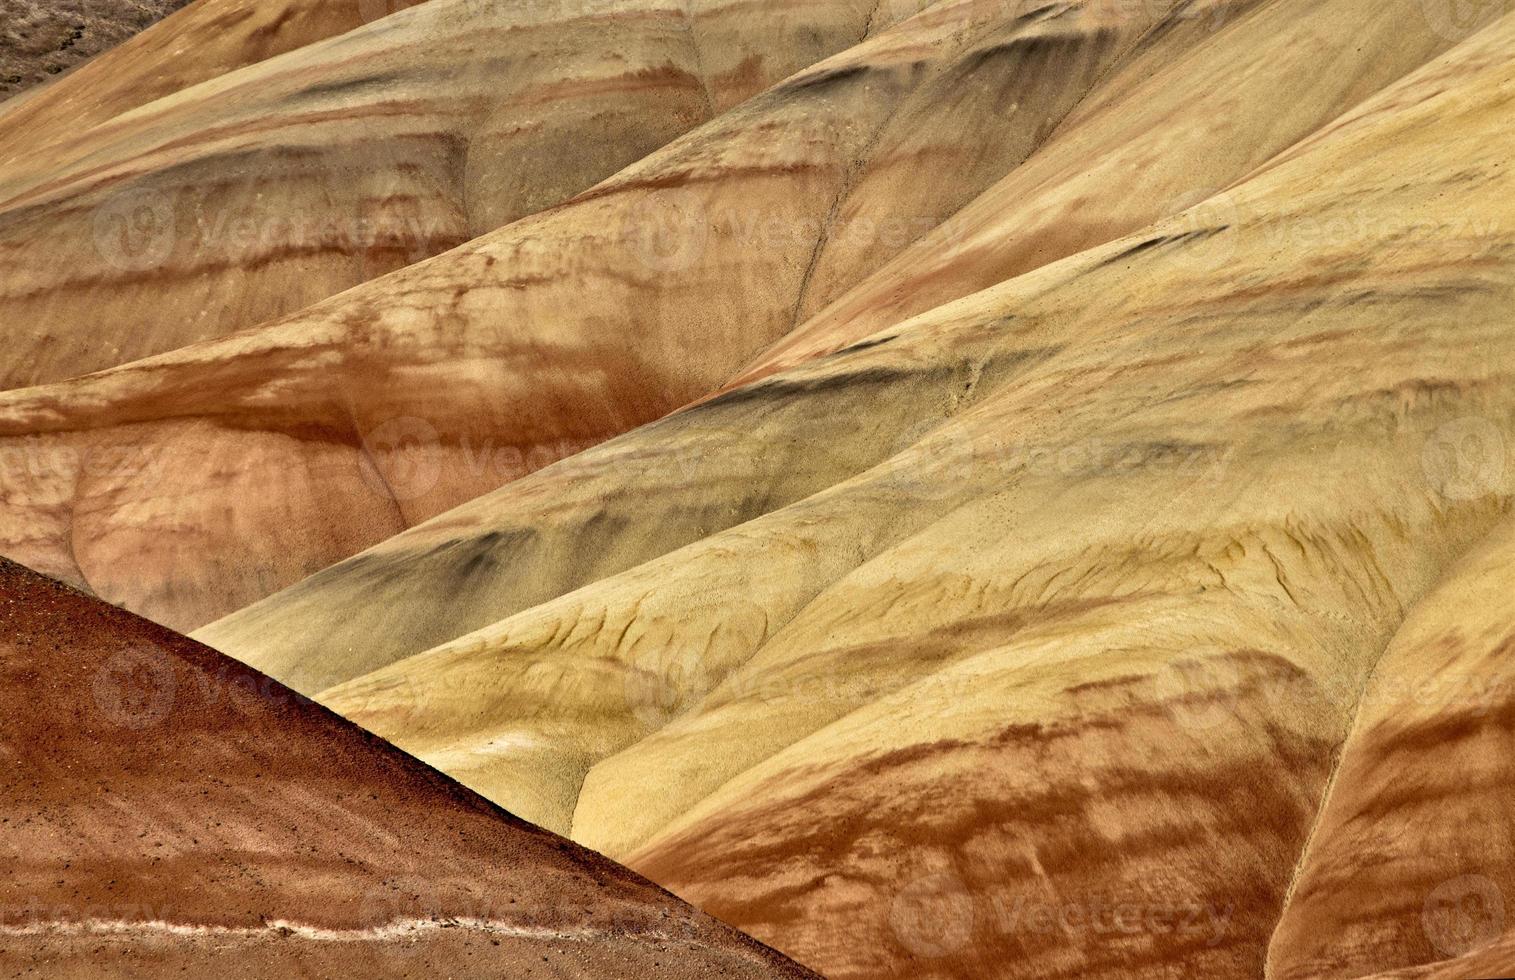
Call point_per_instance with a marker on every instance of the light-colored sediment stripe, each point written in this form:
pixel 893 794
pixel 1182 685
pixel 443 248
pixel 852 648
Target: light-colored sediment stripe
pixel 397 929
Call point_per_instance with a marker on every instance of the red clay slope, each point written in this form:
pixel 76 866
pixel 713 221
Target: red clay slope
pixel 165 809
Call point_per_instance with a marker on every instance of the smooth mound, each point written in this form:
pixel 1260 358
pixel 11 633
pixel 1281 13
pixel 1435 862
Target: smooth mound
pixel 167 809
pixel 188 485
pixel 263 190
pixel 1050 601
pixel 1003 499
pixel 1412 860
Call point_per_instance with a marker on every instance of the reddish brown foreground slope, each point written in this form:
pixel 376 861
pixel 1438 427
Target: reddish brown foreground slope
pixel 164 809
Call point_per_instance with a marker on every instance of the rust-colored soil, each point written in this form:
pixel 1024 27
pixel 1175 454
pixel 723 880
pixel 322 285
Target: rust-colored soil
pixel 163 808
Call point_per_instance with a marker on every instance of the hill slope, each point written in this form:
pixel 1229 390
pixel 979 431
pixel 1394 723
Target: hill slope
pixel 42 40
pixel 536 541
pixel 1404 868
pixel 1029 587
pixel 1070 595
pixel 169 810
pixel 154 484
pixel 261 191
pixel 202 40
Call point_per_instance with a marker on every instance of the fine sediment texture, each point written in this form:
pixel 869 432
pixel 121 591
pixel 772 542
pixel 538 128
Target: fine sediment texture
pixel 167 810
pixel 389 403
pixel 1081 645
pixel 205 39
pixel 1412 860
pixel 41 39
pixel 261 191
pixel 991 489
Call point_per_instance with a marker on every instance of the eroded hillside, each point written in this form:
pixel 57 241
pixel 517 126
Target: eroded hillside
pixel 183 814
pixel 962 489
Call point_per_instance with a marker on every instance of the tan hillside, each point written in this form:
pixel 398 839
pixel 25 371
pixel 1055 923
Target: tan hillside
pixel 1100 629
pixel 957 489
pixel 257 193
pixel 1168 131
pixel 1412 860
pixel 392 402
pixel 204 39
pixel 501 554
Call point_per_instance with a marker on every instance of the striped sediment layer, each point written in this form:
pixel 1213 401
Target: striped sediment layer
pixel 1036 607
pixel 514 563
pixel 1024 632
pixel 343 424
pixel 263 190
pixel 167 809
pixel 1412 860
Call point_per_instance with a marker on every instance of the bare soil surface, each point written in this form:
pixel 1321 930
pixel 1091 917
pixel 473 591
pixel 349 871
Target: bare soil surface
pixel 43 38
pixel 164 808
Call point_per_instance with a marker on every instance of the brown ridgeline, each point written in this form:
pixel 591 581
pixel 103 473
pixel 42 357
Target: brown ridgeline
pixel 167 809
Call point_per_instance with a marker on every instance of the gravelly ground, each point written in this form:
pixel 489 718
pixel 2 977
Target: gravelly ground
pixel 43 38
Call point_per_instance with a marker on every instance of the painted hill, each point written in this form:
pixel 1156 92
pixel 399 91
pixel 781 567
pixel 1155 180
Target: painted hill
pixel 588 520
pixel 993 489
pixel 168 810
pixel 205 39
pixel 396 400
pixel 1402 868
pixel 261 191
pixel 1064 589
